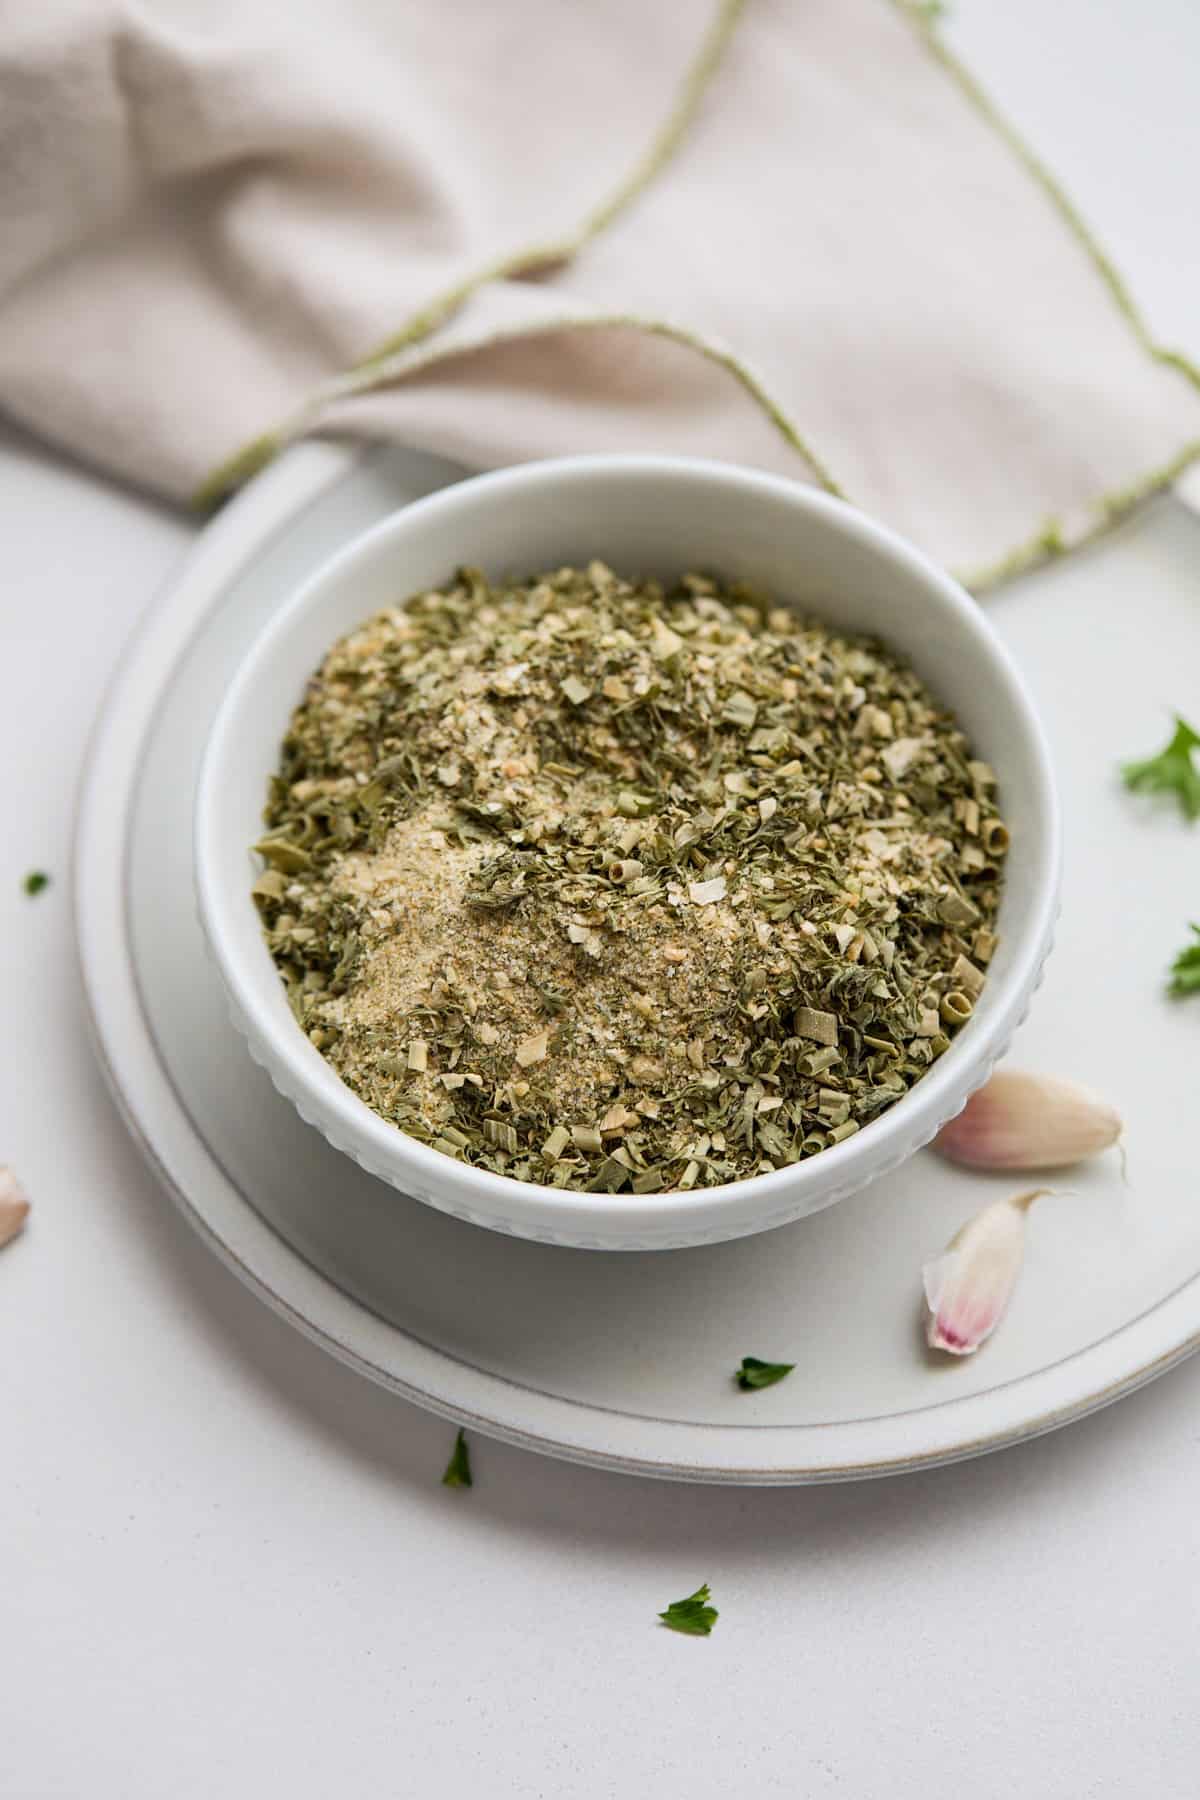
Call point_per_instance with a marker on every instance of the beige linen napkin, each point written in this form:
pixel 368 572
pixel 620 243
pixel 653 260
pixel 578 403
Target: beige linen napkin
pixel 787 233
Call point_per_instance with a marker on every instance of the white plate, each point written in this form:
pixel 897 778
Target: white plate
pixel 624 1360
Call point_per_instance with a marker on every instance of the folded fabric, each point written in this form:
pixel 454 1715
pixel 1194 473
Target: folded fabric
pixel 789 233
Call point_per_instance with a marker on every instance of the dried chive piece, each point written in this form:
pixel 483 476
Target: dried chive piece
pixel 956 909
pixel 501 1135
pixel 957 1007
pixel 617 888
pixel 283 855
pixel 556 1143
pixel 823 1026
pixel 634 806
pixel 269 886
pixel 968 977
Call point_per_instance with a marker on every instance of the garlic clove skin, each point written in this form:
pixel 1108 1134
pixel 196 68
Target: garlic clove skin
pixel 967 1290
pixel 1023 1121
pixel 14 1207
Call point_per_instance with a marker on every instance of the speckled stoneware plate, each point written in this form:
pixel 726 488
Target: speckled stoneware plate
pixel 624 1360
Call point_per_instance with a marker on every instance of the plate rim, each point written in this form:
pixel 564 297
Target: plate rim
pixel 951 1430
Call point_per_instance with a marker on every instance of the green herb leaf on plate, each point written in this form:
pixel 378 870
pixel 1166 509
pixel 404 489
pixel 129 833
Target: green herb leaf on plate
pixel 755 1374
pixel 693 1616
pixel 35 882
pixel 458 1469
pixel 1185 970
pixel 1172 771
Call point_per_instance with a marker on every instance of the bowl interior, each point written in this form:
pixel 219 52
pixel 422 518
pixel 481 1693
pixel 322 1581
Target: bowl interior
pixel 656 517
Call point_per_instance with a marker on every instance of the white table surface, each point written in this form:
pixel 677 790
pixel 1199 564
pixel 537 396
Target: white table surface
pixel 227 1566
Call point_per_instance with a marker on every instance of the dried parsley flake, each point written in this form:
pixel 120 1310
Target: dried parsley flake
pixel 612 888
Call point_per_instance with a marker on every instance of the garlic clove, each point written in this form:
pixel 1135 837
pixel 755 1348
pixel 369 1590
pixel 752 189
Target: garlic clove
pixel 969 1287
pixel 14 1207
pixel 1023 1121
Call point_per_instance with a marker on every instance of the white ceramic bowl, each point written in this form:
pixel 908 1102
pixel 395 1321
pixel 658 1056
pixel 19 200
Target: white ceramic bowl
pixel 653 516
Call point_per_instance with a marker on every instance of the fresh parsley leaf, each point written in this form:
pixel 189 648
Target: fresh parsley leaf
pixel 458 1469
pixel 35 881
pixel 1185 970
pixel 755 1374
pixel 1171 771
pixel 692 1616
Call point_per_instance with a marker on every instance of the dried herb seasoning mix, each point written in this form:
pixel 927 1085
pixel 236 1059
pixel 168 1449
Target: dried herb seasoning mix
pixel 607 887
